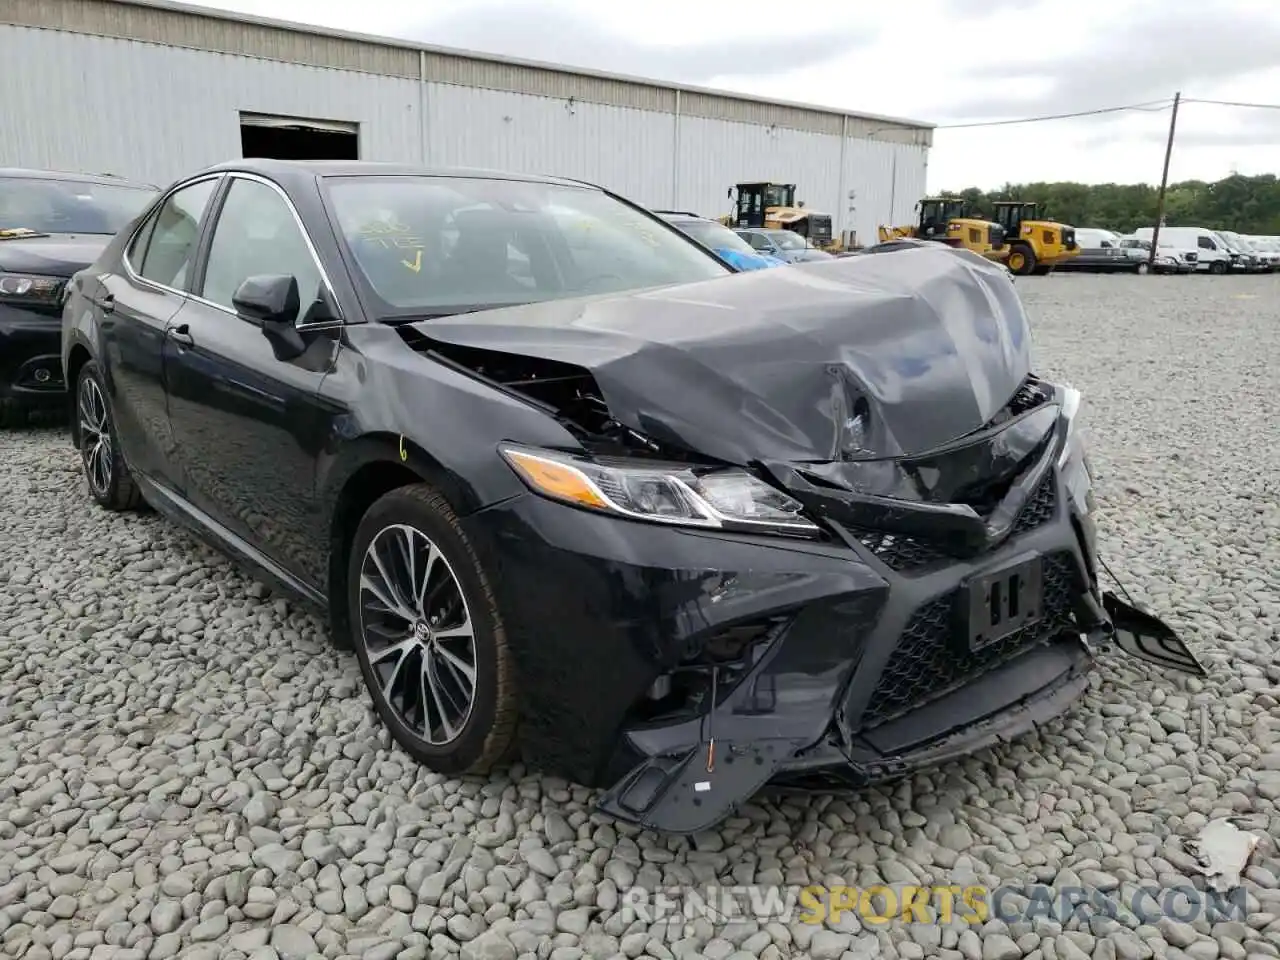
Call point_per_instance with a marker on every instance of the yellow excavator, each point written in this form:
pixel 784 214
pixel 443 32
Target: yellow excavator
pixel 949 220
pixel 773 206
pixel 1036 245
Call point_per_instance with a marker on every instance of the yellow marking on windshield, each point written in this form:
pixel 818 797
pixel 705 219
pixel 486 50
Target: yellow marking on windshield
pixel 416 264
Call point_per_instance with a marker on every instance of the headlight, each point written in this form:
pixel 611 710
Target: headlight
pixel 31 289
pixel 723 499
pixel 1074 459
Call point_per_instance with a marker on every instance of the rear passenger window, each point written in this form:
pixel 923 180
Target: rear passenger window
pixel 170 236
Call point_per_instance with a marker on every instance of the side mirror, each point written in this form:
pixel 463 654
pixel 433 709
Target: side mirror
pixel 273 302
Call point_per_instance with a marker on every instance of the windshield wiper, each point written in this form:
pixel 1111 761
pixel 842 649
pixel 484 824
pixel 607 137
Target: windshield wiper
pixel 396 320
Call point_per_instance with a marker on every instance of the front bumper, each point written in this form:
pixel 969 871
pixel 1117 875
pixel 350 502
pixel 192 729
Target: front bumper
pixel 850 672
pixel 30 358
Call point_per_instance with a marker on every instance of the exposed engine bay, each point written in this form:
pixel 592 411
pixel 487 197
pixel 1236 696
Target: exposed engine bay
pixel 565 391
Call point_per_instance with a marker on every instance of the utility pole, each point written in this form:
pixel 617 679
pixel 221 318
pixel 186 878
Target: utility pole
pixel 1164 183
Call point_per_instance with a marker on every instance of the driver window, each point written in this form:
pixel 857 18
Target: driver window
pixel 256 234
pixel 758 241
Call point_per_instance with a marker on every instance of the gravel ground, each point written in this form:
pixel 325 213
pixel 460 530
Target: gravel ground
pixel 188 769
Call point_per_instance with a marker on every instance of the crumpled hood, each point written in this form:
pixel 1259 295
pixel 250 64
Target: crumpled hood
pixel 850 358
pixel 57 255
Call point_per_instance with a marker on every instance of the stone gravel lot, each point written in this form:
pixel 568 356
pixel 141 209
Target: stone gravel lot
pixel 188 769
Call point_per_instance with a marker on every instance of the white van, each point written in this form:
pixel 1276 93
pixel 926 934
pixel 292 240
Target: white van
pixel 1214 257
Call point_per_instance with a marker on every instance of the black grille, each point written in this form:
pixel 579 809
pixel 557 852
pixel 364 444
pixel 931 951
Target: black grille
pixel 929 661
pixel 1039 507
pixel 899 552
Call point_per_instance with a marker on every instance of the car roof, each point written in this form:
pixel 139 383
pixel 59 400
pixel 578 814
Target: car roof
pixel 109 179
pixel 299 171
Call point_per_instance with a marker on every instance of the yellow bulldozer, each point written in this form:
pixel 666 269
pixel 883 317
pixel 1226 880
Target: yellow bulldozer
pixel 1036 245
pixel 950 220
pixel 773 206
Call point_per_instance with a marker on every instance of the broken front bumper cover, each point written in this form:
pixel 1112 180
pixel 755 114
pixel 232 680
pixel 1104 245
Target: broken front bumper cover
pixel 692 790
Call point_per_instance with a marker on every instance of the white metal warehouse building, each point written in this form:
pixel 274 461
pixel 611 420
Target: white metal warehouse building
pixel 154 91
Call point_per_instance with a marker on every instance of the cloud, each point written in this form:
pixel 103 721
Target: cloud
pixel 555 34
pixel 1146 56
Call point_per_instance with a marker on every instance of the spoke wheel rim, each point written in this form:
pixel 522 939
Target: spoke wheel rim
pixel 95 436
pixel 418 635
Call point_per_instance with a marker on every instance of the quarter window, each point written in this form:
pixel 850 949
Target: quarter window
pixel 170 236
pixel 257 235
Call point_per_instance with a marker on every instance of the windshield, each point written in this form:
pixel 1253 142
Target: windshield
pixel 715 236
pixel 777 195
pixel 451 244
pixel 69 206
pixel 788 240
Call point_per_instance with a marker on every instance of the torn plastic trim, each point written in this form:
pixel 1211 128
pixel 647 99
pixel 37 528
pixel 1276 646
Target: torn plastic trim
pixel 957 528
pixel 1146 637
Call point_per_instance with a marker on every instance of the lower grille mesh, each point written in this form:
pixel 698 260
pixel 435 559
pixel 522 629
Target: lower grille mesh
pixel 930 662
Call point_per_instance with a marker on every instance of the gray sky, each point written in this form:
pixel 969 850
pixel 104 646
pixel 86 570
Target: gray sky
pixel 944 61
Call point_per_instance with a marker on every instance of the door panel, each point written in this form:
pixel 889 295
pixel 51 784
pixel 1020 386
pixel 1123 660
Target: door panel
pixel 248 427
pixel 134 307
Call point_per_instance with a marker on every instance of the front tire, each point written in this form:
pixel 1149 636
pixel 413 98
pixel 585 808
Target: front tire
pixel 1022 260
pixel 110 483
pixel 1218 267
pixel 428 634
pixel 1143 269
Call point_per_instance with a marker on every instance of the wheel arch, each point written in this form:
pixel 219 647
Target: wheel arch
pixel 372 467
pixel 77 357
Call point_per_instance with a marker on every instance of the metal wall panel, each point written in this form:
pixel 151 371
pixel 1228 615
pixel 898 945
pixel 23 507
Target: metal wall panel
pixel 200 28
pixel 628 151
pixel 715 154
pixel 97 104
pixel 887 180
pixel 155 113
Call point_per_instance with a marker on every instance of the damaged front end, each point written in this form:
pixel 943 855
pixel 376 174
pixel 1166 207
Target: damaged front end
pixel 856 539
pixel 987 548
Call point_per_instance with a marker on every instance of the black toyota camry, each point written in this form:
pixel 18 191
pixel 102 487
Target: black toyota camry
pixel 51 225
pixel 571 486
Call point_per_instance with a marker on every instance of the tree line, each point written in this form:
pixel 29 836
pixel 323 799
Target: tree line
pixel 1248 205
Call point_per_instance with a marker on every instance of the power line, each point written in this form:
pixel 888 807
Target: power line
pixel 1234 103
pixel 1151 106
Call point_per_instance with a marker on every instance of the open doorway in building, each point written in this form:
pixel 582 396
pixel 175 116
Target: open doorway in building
pixel 293 138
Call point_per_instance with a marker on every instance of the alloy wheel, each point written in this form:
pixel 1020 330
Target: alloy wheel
pixel 417 632
pixel 95 436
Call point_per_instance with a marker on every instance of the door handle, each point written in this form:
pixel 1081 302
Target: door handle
pixel 106 303
pixel 180 335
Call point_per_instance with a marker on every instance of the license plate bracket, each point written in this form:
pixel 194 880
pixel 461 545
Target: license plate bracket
pixel 994 605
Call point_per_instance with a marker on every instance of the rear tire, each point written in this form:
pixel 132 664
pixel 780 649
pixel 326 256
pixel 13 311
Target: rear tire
pixel 1143 269
pixel 428 635
pixel 110 483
